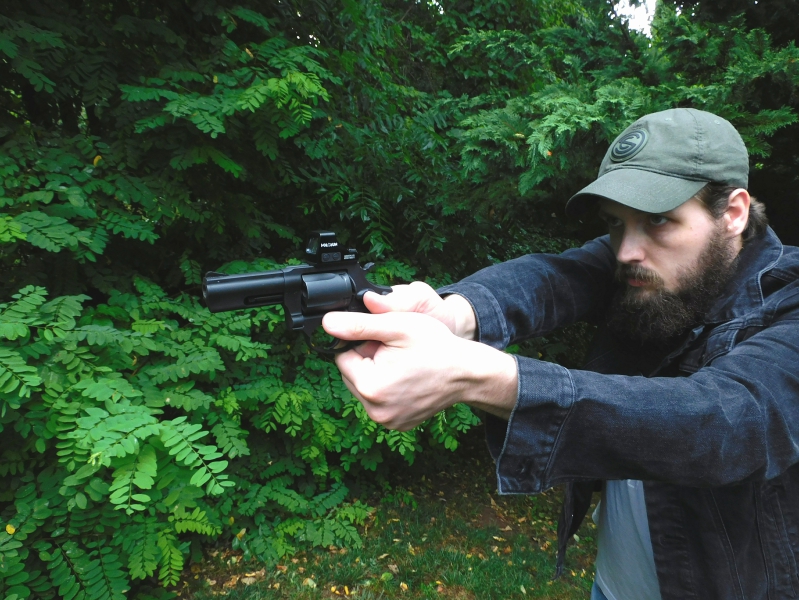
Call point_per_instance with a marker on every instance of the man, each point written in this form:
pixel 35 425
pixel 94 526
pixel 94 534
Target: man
pixel 688 410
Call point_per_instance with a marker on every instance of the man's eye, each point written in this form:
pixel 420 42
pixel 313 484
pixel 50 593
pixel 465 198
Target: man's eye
pixel 612 222
pixel 658 220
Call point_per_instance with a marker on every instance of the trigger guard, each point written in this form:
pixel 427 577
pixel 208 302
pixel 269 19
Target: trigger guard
pixel 337 346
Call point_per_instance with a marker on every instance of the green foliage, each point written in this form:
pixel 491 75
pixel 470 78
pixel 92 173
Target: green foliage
pixel 141 145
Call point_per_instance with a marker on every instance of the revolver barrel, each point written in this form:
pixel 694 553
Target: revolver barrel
pixel 230 292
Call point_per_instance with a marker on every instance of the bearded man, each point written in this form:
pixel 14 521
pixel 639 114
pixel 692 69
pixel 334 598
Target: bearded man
pixel 686 414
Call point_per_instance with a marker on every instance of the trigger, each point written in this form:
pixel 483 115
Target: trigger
pixel 368 267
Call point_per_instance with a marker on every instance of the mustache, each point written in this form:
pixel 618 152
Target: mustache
pixel 625 272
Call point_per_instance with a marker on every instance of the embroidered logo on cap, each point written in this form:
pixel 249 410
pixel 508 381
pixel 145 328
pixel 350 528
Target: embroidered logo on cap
pixel 628 145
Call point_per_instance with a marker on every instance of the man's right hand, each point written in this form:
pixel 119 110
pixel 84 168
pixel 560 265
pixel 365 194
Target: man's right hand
pixel 453 311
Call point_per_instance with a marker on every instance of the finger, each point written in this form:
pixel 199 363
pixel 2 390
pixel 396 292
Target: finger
pixel 368 349
pixel 386 328
pixel 356 372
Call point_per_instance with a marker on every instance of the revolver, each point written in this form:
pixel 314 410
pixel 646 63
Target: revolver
pixel 333 279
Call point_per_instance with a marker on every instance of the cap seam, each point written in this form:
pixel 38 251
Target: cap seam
pixel 699 157
pixel 650 170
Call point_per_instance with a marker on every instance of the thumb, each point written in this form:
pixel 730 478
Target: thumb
pixel 378 304
pixel 352 326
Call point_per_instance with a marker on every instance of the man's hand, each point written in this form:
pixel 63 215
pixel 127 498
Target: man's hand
pixel 453 311
pixel 413 367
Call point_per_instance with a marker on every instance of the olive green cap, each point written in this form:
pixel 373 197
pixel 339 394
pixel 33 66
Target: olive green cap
pixel 665 158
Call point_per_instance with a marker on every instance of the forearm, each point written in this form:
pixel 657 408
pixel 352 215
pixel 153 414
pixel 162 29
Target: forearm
pixel 720 426
pixel 535 294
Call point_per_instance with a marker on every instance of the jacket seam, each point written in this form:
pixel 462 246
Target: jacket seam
pixel 556 441
pixel 727 545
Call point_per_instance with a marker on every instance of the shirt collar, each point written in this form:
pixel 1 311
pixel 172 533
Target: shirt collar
pixel 744 291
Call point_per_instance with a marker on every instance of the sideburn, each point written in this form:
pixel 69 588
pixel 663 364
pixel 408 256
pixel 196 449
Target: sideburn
pixel 658 320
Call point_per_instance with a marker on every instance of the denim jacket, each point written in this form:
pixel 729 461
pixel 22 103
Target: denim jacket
pixel 713 431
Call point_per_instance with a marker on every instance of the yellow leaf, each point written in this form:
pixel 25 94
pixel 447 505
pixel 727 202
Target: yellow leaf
pixel 10 529
pixel 346 591
pixel 249 53
pixel 97 159
pixel 404 586
pixel 216 79
pixel 241 533
pixel 231 520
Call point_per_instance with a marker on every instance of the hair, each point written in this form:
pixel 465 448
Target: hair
pixel 716 197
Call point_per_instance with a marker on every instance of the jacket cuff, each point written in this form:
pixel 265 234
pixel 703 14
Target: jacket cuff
pixel 491 327
pixel 545 398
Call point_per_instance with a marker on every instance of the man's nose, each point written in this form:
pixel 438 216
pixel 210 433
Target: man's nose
pixel 632 247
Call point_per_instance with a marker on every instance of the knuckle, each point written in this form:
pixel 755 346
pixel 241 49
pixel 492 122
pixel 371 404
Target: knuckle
pixel 381 417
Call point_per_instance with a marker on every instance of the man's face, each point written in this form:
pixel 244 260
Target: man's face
pixel 658 248
pixel 671 266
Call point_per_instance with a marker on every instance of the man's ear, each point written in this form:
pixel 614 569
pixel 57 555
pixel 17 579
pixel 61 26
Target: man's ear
pixel 737 214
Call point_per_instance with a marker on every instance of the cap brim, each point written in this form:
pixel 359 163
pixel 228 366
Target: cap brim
pixel 643 190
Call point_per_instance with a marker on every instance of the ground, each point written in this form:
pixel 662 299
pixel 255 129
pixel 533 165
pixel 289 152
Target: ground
pixel 442 531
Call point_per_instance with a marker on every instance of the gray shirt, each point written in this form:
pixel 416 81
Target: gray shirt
pixel 625 563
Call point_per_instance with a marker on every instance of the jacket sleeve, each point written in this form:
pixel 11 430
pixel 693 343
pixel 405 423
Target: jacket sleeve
pixel 735 419
pixel 537 293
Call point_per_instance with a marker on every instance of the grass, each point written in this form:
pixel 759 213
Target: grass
pixel 443 532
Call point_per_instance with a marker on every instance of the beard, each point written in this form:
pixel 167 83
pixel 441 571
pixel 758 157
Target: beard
pixel 657 319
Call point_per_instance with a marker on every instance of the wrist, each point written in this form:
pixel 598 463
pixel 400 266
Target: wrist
pixel 463 320
pixel 492 381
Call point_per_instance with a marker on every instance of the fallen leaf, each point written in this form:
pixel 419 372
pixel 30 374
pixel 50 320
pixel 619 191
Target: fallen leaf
pixel 394 569
pixel 499 539
pixel 508 528
pixel 282 568
pixel 524 591
pixel 382 556
pixel 260 573
pixel 404 586
pixel 309 582
pixel 248 580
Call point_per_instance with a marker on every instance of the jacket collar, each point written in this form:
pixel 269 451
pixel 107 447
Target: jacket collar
pixel 744 291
